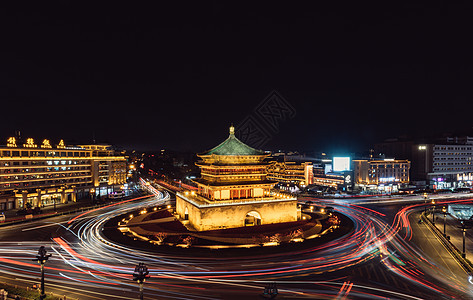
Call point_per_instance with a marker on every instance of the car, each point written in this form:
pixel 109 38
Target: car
pixel 116 195
pixel 2 218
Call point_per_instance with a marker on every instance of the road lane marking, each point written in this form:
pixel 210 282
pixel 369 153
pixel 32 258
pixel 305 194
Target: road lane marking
pixel 42 226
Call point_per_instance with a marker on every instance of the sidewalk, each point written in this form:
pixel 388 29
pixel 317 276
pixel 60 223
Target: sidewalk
pixel 449 241
pixel 455 233
pixel 60 207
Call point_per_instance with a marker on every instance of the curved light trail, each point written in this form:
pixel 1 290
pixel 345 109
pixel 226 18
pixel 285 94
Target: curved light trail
pixel 89 266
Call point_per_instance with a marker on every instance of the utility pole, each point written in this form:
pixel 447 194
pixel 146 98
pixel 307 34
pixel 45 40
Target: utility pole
pixel 433 211
pixel 444 210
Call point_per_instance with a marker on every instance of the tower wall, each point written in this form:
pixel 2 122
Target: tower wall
pixel 233 215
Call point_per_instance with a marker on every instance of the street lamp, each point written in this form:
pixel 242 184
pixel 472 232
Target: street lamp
pixel 444 210
pixel 425 203
pixel 463 227
pixel 433 211
pixel 140 275
pixel 92 195
pixel 42 257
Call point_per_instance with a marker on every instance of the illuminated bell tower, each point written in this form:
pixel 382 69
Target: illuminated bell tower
pixel 233 170
pixel 233 190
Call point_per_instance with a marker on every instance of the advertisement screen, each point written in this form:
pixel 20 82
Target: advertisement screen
pixel 328 168
pixel 341 164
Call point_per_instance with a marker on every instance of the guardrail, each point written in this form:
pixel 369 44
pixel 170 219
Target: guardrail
pixel 454 251
pixel 204 202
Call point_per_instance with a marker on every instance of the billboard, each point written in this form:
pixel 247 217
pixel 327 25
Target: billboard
pixel 328 168
pixel 341 164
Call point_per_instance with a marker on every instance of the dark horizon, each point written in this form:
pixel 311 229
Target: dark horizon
pixel 175 77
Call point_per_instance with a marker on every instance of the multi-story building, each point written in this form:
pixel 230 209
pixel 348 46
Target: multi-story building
pixel 335 181
pixel 446 165
pixel 107 170
pixel 441 162
pixel 44 175
pixel 300 174
pixel 385 174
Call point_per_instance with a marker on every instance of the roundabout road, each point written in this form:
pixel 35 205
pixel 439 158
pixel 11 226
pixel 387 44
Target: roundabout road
pixel 375 261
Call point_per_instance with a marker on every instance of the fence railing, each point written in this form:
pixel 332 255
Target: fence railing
pixel 454 251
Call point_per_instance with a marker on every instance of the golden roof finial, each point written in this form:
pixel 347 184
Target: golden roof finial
pixel 232 129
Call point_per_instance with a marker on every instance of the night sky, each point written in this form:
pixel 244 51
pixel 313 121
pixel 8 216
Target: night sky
pixel 176 76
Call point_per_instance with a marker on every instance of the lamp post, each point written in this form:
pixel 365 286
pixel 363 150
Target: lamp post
pixel 139 275
pixel 463 233
pixel 433 211
pixel 425 203
pixel 92 195
pixel 42 257
pixel 444 210
pixel 464 226
pixel 54 202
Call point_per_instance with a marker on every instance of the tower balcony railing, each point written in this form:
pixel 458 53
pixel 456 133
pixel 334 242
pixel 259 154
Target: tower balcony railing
pixel 201 201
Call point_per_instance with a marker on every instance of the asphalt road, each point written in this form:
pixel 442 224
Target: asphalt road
pixel 387 255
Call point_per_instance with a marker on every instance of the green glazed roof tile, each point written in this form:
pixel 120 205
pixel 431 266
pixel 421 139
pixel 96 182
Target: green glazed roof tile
pixel 233 146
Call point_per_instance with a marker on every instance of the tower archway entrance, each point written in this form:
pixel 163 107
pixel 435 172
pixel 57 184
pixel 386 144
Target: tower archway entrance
pixel 186 214
pixel 252 218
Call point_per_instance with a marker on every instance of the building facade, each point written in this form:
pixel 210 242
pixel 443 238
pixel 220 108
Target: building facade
pixel 439 163
pixel 446 165
pixel 386 174
pixel 301 174
pixel 334 181
pixel 44 174
pixel 233 190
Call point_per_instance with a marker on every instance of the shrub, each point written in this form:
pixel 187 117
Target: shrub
pixel 189 241
pixel 298 233
pixel 161 236
pixel 333 220
pixel 276 238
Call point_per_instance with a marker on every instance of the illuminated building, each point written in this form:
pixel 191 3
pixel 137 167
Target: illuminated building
pixel 107 170
pixel 385 174
pixel 439 163
pixel 335 174
pixel 335 181
pixel 446 165
pixel 300 174
pixel 233 190
pixel 45 174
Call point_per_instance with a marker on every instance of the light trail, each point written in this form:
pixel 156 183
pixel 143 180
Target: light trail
pixel 90 261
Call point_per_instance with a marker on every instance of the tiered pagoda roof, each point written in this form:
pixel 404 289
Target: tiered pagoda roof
pixel 232 146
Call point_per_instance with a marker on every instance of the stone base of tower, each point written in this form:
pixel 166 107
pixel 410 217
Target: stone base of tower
pixel 205 215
